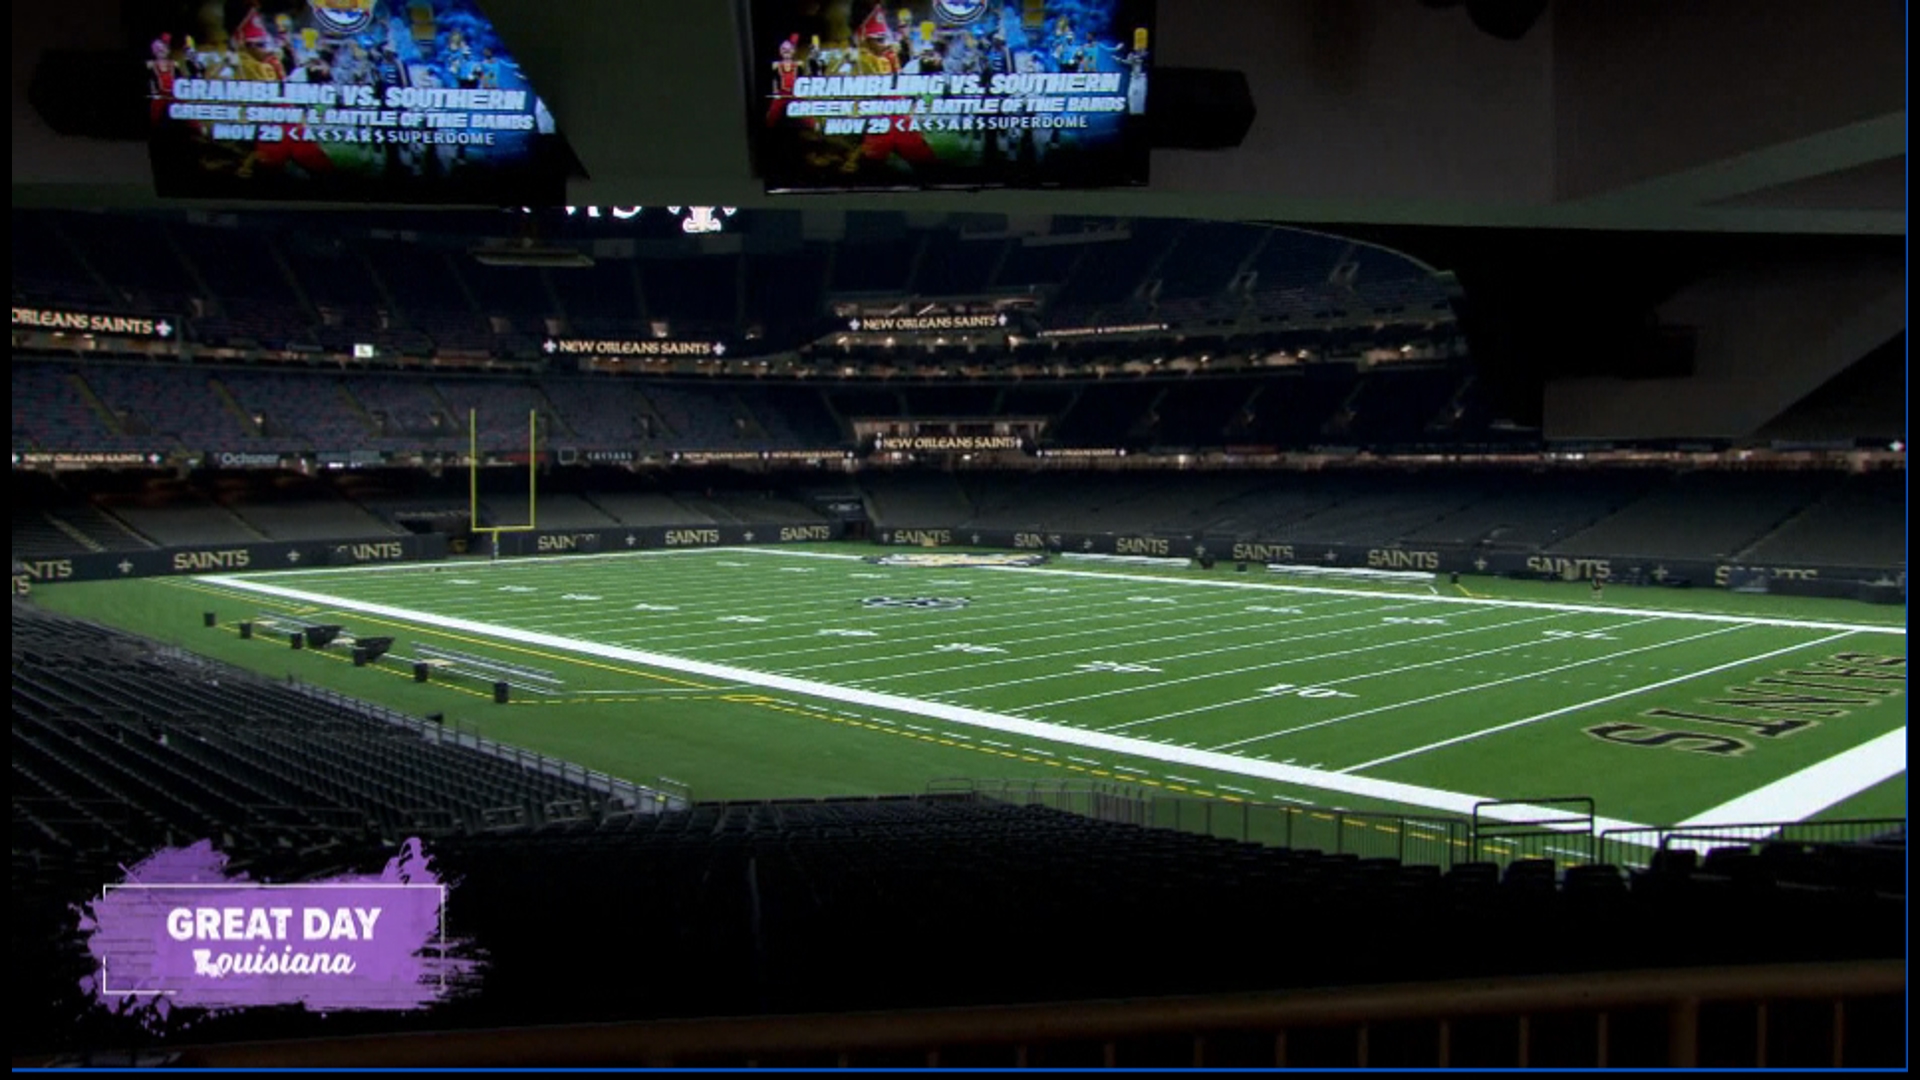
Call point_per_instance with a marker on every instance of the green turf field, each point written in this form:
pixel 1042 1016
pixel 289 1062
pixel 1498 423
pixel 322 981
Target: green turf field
pixel 775 672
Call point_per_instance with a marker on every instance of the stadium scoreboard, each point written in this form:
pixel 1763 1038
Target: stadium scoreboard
pixel 401 101
pixel 857 95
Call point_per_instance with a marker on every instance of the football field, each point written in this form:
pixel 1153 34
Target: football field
pixel 1239 686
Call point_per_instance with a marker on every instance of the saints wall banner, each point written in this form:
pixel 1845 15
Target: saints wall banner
pixel 107 324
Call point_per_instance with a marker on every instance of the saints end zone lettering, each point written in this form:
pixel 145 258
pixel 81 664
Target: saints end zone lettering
pixel 790 533
pixel 1820 689
pixel 917 537
pixel 1626 734
pixel 692 537
pixel 1141 545
pixel 231 559
pixel 1263 553
pixel 1396 559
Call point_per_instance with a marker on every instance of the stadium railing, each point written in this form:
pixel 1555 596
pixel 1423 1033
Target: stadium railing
pixel 632 797
pixel 1426 840
pixel 1558 828
pixel 1635 849
pixel 1811 1015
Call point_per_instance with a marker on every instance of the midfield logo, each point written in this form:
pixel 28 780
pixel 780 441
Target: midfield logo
pixel 919 603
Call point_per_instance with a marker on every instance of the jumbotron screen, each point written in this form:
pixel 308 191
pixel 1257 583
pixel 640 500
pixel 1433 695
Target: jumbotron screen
pixel 415 101
pixel 856 95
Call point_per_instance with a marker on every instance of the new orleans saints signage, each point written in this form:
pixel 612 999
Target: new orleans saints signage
pixel 917 603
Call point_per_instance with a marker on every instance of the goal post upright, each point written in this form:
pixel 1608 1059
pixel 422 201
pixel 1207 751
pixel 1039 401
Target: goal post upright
pixel 473 477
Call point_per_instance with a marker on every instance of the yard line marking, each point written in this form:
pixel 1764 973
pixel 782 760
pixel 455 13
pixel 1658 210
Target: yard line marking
pixel 1596 701
pixel 1124 768
pixel 1037 750
pixel 1347 679
pixel 1694 616
pixel 1004 612
pixel 1204 760
pixel 1478 686
pixel 1394 644
pixel 1106 646
pixel 1182 779
pixel 1081 760
pixel 1230 787
pixel 1803 794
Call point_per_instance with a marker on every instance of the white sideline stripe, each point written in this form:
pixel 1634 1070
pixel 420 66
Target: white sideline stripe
pixel 1695 616
pixel 794 554
pixel 476 564
pixel 1365 787
pixel 1803 794
pixel 1596 701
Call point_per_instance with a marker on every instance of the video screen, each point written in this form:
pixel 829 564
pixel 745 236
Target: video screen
pixel 413 101
pixel 857 95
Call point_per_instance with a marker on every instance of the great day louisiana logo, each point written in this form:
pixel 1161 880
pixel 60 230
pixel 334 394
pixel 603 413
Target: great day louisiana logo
pixel 182 930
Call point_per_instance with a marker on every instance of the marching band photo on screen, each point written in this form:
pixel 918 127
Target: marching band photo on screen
pixel 952 93
pixel 417 101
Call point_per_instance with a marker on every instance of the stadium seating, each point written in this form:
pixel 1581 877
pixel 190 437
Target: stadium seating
pixel 180 407
pixel 1860 523
pixel 288 507
pixel 186 749
pixel 1525 513
pixel 311 410
pixel 913 499
pixel 798 906
pixel 51 411
pixel 179 516
pixel 1697 516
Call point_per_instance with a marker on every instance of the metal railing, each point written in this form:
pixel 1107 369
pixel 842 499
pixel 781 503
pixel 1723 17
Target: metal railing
pixel 1559 829
pixel 1635 848
pixel 626 796
pixel 1817 1015
pixel 1426 840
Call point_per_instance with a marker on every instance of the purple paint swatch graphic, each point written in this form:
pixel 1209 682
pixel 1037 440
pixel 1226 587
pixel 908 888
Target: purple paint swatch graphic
pixel 181 932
